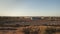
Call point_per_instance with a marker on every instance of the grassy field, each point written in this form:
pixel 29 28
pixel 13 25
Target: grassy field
pixel 33 30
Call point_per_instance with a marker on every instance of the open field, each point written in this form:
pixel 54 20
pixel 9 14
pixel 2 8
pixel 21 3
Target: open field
pixel 32 30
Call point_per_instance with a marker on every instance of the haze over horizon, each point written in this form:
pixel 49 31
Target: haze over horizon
pixel 29 7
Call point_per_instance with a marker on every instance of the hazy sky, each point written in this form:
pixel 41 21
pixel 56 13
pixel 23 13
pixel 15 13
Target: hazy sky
pixel 29 7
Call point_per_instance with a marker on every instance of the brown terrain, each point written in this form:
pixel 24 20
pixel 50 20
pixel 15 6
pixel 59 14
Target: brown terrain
pixel 29 25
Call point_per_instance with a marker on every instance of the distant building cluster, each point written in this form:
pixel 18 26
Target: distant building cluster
pixel 30 20
pixel 29 25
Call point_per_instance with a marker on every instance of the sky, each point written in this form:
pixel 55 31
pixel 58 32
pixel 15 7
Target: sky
pixel 29 7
